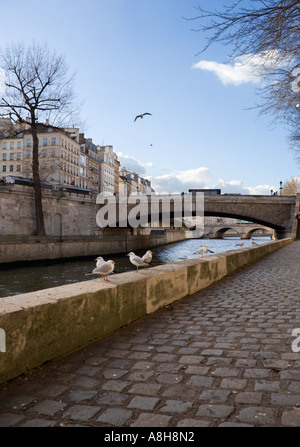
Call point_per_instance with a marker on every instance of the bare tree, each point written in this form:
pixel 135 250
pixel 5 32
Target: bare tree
pixel 270 29
pixel 37 88
pixel 291 187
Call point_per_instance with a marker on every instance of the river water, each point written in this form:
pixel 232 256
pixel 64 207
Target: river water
pixel 42 275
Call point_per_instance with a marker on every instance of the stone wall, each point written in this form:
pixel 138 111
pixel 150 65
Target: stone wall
pixel 25 249
pixel 64 213
pixel 43 325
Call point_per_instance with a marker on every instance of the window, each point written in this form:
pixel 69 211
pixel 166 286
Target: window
pixel 28 153
pixel 53 153
pixel 18 156
pixel 19 168
pixel 12 145
pixel 11 156
pixel 11 168
pixel 45 142
pixel 4 145
pixel 4 157
pixel 4 168
pixel 52 177
pixel 53 141
pixel 28 142
pixel 19 145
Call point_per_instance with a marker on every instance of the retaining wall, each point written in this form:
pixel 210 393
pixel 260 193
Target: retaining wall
pixel 42 248
pixel 43 325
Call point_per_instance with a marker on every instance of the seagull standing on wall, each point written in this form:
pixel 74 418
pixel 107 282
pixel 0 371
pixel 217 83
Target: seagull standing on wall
pixel 147 257
pixel 104 269
pixel 141 116
pixel 136 260
pixel 100 261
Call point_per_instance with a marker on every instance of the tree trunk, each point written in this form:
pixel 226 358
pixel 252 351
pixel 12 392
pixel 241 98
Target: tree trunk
pixel 40 226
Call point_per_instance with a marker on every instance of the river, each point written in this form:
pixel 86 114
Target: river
pixel 42 275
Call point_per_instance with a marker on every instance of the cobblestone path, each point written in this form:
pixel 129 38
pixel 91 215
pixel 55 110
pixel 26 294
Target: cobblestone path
pixel 221 357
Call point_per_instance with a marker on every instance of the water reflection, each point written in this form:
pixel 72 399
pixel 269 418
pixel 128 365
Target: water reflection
pixel 42 275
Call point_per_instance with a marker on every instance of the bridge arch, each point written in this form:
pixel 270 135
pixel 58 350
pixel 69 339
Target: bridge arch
pixel 251 232
pixel 220 233
pixel 255 220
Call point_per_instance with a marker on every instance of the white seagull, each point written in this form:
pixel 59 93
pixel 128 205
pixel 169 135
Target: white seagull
pixel 104 269
pixel 136 260
pixel 147 257
pixel 99 261
pixel 204 250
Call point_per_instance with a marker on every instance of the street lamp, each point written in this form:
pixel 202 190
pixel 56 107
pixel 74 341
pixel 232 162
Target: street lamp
pixel 271 192
pixel 280 188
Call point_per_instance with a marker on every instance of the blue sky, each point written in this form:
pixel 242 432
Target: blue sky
pixel 136 56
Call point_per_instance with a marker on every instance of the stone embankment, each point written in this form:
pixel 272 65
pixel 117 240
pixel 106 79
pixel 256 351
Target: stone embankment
pixel 43 325
pixel 33 248
pixel 222 357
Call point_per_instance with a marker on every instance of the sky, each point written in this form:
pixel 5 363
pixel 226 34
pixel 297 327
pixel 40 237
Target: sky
pixel 137 56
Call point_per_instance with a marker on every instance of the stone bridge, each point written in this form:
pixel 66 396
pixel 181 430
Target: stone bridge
pixel 276 212
pixel 244 231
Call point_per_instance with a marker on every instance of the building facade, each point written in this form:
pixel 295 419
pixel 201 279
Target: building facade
pixel 107 172
pixel 66 159
pixel 132 183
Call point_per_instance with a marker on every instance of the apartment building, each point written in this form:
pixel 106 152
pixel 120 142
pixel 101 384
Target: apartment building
pixel 66 158
pixel 107 172
pixel 59 153
pixel 90 164
pixel 132 183
pixel 117 174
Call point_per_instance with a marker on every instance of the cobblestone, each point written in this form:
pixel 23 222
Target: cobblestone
pixel 221 357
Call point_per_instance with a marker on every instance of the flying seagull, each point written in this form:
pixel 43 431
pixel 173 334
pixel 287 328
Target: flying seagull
pixel 142 115
pixel 203 251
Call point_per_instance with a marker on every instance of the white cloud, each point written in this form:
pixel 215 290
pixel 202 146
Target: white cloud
pixel 181 181
pixel 132 164
pixel 261 189
pixel 177 182
pixel 236 186
pixel 245 69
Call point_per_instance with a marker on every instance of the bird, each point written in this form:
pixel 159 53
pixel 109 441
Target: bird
pixel 136 260
pixel 147 257
pixel 104 269
pixel 252 241
pixel 141 116
pixel 99 261
pixel 241 244
pixel 204 250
